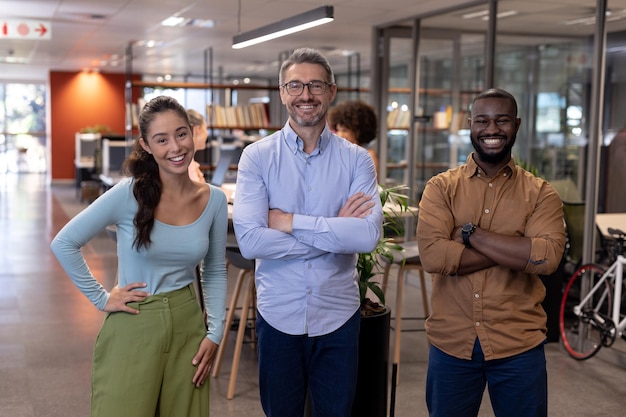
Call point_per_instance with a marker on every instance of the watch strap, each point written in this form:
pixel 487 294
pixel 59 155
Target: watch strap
pixel 465 234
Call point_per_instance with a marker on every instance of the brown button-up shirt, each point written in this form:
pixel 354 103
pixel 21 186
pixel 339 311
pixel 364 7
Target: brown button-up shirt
pixel 500 306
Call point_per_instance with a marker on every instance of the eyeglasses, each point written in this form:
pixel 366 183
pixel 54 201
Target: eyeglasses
pixel 295 88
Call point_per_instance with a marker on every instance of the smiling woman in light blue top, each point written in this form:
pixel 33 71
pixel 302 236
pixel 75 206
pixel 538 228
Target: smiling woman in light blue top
pixel 154 350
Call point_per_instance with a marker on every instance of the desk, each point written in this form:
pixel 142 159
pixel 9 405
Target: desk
pixel 395 210
pixel 390 209
pixel 110 180
pixel 229 190
pixel 83 169
pixel 613 220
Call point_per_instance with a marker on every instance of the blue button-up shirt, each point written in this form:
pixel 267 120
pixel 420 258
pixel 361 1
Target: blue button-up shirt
pixel 306 281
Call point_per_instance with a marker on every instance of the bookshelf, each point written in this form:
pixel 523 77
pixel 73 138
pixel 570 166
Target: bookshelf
pixel 439 119
pixel 253 116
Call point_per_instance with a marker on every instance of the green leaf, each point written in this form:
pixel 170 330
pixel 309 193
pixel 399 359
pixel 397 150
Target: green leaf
pixel 372 264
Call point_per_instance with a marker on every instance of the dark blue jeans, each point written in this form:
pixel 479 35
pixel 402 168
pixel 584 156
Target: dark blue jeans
pixel 518 386
pixel 325 365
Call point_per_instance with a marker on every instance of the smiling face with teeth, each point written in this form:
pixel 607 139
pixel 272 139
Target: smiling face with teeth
pixel 170 142
pixel 306 109
pixel 493 129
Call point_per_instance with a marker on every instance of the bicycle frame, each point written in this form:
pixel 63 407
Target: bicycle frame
pixel 616 271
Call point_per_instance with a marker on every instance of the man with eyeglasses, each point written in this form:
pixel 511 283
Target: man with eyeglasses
pixel 306 203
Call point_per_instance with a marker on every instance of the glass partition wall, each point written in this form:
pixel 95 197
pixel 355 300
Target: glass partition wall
pixel 547 66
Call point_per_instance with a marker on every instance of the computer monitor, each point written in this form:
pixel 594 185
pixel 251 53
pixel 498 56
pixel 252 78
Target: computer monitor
pixel 228 156
pixel 87 148
pixel 114 152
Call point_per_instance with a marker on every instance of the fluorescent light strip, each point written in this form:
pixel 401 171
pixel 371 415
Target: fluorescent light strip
pixel 284 27
pixel 475 14
pixel 484 14
pixel 502 14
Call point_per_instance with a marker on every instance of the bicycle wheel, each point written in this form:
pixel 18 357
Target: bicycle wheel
pixel 581 335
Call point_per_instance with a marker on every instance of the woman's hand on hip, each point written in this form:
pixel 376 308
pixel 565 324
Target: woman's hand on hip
pixel 119 297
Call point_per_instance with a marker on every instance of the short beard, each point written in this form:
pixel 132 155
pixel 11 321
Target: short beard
pixel 488 158
pixel 303 123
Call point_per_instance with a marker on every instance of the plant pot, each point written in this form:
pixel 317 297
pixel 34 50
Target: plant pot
pixel 371 391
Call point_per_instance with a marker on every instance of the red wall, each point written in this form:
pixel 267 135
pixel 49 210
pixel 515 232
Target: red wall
pixel 78 100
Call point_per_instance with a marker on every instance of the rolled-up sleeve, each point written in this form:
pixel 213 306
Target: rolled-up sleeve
pixel 438 253
pixel 546 229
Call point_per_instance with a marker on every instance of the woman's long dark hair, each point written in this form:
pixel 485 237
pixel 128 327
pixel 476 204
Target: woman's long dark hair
pixel 144 169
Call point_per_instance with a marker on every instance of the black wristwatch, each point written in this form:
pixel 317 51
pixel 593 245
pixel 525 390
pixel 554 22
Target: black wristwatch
pixel 466 231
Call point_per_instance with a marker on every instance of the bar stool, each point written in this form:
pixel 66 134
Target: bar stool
pixel 245 278
pixel 408 259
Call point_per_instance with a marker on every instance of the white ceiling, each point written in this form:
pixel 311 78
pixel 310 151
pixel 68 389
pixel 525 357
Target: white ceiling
pixel 90 33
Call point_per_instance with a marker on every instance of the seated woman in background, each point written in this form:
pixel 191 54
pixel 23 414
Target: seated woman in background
pixel 200 135
pixel 355 121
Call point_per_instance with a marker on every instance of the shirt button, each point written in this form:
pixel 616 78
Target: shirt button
pixel 301 238
pixel 487 211
pixel 477 323
pixel 476 295
pixel 166 300
pixel 490 185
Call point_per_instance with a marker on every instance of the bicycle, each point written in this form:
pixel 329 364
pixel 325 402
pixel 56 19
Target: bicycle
pixel 596 320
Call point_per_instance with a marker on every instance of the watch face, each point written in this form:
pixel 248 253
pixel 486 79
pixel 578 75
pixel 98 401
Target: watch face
pixel 467 227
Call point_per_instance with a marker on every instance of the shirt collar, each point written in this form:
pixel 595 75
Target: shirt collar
pixel 295 144
pixel 473 168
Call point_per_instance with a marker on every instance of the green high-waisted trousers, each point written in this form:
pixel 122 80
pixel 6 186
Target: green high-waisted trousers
pixel 142 363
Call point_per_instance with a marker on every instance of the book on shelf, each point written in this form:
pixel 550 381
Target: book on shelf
pixel 398 119
pixel 132 111
pixel 252 116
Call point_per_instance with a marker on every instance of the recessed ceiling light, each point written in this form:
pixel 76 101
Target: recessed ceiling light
pixel 173 21
pixel 201 23
pixel 180 21
pixel 13 60
pixel 148 43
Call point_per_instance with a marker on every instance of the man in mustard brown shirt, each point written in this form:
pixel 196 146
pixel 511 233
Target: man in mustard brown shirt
pixel 486 231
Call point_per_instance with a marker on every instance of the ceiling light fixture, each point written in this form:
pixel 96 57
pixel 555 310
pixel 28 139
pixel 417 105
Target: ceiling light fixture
pixel 473 15
pixel 284 27
pixel 174 21
pixel 502 14
pixel 484 14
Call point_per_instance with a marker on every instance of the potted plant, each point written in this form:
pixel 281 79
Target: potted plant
pixel 371 395
pixel 369 264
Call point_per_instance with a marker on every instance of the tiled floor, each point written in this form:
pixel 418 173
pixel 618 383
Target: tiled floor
pixel 47 328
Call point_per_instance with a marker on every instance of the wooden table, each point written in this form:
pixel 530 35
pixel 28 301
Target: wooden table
pixel 613 220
